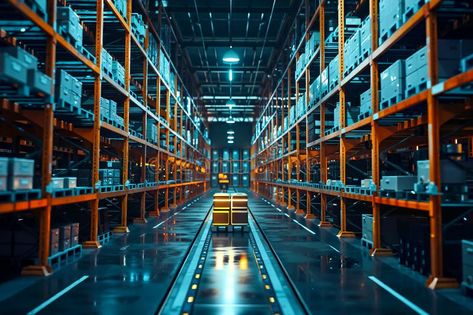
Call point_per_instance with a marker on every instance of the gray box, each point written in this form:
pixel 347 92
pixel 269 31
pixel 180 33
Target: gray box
pixel 454 48
pixel 39 81
pixel 367 227
pixel 365 102
pixel 3 166
pixel 57 182
pixel 118 72
pixel 365 37
pixel 64 80
pixel 352 50
pixel 393 81
pixel 416 61
pixel 334 72
pixel 12 69
pixel 76 86
pixel 3 173
pixel 390 15
pixel 398 183
pixel 324 81
pixel 75 229
pixel 67 14
pixel 28 60
pixel 416 79
pixel 450 172
pixel 3 183
pixel 70 182
pixel 20 182
pixel 21 167
pixel 467 263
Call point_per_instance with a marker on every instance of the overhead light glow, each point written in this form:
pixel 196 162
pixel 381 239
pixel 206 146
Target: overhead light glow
pixel 230 57
pixel 230 120
pixel 230 103
pixel 231 132
pixel 230 141
pixel 231 137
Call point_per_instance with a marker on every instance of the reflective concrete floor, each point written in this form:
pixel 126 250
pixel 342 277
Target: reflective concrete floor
pixel 334 277
pixel 230 281
pixel 132 274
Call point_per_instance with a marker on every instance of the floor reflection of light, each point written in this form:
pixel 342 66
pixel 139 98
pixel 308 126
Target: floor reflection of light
pixel 219 260
pixel 230 281
pixel 243 262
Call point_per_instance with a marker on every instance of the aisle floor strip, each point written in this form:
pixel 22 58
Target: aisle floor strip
pixel 304 227
pixel 334 248
pixel 398 296
pixel 57 296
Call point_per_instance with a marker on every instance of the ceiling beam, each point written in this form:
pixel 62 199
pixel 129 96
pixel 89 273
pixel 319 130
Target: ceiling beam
pixel 175 8
pixel 224 42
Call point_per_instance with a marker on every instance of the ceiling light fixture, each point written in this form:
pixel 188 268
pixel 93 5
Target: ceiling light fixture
pixel 231 137
pixel 231 57
pixel 230 120
pixel 231 132
pixel 230 141
pixel 230 103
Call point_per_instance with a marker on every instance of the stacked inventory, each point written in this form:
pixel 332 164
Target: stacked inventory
pixel 20 67
pixel 406 92
pixel 233 162
pixel 56 164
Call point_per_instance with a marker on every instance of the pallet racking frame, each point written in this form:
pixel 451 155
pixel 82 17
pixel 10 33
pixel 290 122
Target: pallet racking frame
pixel 265 171
pixel 186 156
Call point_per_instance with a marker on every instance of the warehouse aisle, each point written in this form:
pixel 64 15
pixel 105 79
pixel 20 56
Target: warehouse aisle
pixel 334 277
pixel 129 275
pixel 230 278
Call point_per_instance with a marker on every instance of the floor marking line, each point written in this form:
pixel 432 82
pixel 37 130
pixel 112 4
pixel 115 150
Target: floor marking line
pixel 334 248
pixel 57 296
pixel 161 223
pixel 398 296
pixel 306 228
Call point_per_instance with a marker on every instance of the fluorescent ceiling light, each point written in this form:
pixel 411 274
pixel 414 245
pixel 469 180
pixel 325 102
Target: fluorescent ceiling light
pixel 231 132
pixel 230 137
pixel 230 57
pixel 230 120
pixel 230 141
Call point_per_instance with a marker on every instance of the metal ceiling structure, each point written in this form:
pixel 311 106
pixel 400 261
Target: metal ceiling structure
pixel 256 30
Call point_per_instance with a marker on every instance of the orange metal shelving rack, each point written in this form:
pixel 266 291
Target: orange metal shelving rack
pixel 186 156
pixel 336 146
